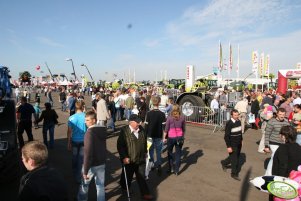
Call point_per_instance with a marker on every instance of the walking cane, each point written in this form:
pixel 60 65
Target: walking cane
pixel 126 183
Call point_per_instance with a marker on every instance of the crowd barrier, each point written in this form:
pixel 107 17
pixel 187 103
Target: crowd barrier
pixel 206 116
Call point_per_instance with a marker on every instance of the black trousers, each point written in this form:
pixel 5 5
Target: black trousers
pixel 27 126
pixel 233 159
pixel 138 169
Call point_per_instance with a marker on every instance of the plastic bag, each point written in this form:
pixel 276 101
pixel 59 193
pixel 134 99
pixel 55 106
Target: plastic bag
pixel 251 118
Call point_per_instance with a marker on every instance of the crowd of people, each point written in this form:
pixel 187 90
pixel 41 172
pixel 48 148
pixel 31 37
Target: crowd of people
pixel 155 116
pixel 150 117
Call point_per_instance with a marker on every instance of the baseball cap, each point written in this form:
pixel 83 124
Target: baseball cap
pixel 135 117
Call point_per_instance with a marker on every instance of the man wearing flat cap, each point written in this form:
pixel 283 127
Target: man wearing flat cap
pixel 131 145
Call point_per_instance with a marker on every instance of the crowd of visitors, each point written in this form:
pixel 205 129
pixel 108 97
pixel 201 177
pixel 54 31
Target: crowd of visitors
pixel 154 115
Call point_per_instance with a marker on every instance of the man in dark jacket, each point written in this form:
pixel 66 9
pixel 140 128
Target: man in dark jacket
pixel 154 127
pixel 131 145
pixel 94 158
pixel 233 139
pixel 41 182
pixel 24 119
pixel 50 119
pixel 62 99
pixel 254 109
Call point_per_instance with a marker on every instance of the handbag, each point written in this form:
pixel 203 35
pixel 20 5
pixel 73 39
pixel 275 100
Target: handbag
pixel 180 141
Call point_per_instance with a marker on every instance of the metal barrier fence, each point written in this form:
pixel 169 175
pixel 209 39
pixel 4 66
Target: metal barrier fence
pixel 206 116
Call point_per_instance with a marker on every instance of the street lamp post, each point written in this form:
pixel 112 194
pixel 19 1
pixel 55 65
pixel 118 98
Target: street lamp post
pixel 88 72
pixel 68 59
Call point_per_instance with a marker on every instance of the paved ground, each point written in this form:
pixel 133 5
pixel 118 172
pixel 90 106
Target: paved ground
pixel 201 176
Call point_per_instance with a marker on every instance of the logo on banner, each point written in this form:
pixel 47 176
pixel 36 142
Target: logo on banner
pixel 282 190
pixel 291 73
pixel 187 73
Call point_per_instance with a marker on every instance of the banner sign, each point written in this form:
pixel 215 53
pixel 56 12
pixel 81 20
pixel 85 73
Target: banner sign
pixel 255 61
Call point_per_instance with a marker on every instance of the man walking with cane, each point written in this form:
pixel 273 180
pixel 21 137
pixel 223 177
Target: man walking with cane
pixel 131 145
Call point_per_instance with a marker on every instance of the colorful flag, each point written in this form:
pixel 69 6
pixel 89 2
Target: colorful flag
pixel 267 65
pixel 230 58
pixel 220 58
pixel 225 66
pixel 255 61
pixel 261 63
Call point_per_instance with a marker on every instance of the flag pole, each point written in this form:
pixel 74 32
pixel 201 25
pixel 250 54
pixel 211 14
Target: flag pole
pixel 229 61
pixel 237 69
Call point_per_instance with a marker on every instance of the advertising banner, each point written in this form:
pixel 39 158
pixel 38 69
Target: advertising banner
pixel 189 77
pixel 267 65
pixel 261 63
pixel 255 61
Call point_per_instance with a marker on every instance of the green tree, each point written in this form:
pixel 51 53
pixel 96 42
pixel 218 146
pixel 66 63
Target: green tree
pixel 25 76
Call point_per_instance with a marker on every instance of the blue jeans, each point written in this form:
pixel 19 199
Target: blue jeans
pixel 98 172
pixel 174 161
pixel 49 127
pixel 128 113
pixel 157 145
pixel 111 124
pixel 118 114
pixel 49 100
pixel 64 107
pixel 77 159
pixel 298 140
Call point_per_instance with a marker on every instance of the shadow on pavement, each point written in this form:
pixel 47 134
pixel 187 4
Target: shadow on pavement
pixel 245 187
pixel 187 160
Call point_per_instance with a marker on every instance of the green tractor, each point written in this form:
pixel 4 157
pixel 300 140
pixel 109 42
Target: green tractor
pixel 176 84
pixel 238 85
pixel 200 95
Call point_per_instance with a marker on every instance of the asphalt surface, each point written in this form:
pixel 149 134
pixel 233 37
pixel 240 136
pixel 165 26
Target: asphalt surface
pixel 201 176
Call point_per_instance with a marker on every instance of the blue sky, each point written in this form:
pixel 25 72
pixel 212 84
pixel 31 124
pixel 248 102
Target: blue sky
pixel 164 35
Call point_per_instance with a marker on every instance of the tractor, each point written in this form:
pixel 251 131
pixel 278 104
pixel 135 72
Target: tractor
pixel 9 153
pixel 200 95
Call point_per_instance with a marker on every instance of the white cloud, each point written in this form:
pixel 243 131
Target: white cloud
pixel 49 42
pixel 151 43
pixel 239 19
pixel 271 26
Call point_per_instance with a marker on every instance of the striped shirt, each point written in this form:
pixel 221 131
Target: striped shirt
pixel 272 130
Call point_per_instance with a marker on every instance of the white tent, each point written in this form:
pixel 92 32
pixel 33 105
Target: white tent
pixel 64 83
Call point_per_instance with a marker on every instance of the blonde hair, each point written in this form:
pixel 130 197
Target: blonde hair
pixel 36 151
pixel 175 112
pixel 155 100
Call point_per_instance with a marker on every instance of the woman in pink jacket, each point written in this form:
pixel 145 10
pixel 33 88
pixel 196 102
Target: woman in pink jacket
pixel 175 130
